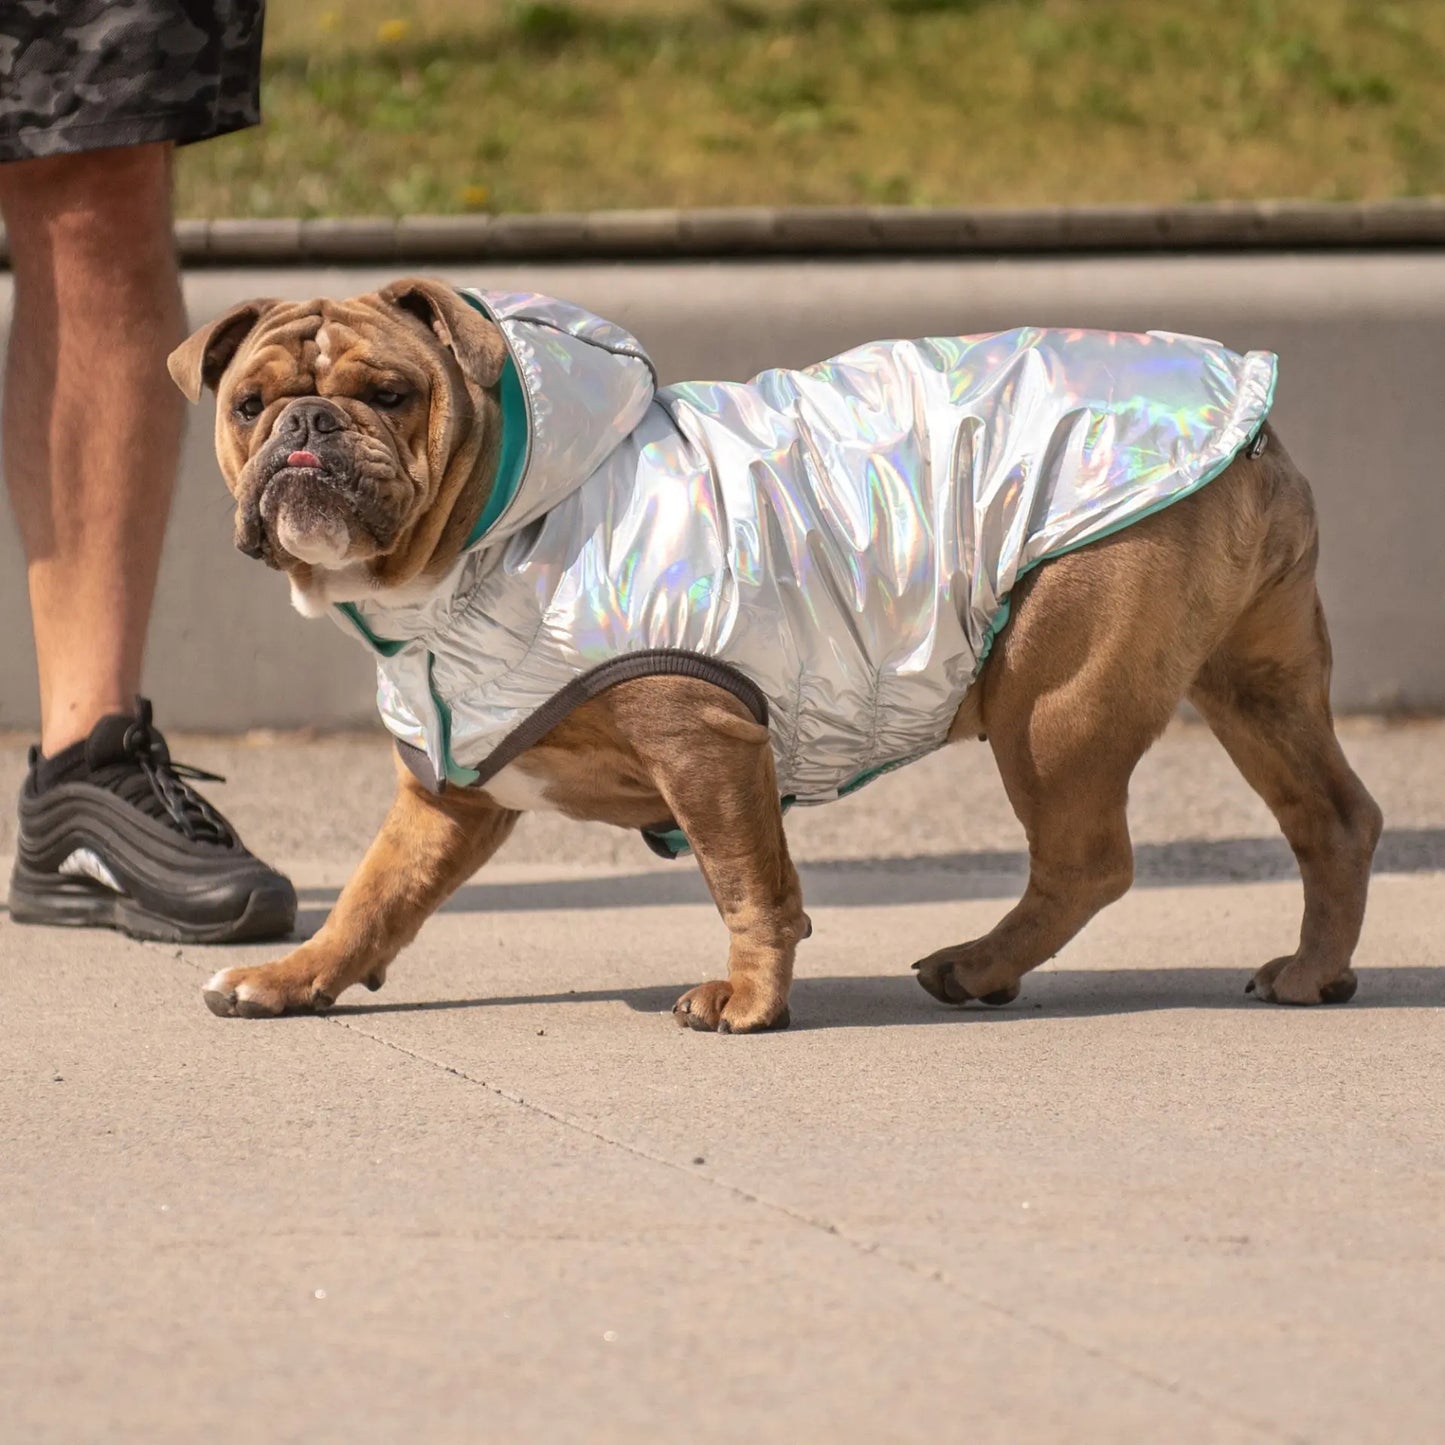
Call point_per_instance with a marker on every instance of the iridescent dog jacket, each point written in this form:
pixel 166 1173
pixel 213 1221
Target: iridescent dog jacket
pixel 836 546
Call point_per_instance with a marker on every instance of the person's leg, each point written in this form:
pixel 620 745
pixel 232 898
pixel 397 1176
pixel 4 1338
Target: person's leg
pixel 91 423
pixel 111 832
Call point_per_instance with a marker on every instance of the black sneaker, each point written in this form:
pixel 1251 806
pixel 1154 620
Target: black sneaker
pixel 112 835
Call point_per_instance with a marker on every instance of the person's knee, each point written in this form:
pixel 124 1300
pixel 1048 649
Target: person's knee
pixel 121 193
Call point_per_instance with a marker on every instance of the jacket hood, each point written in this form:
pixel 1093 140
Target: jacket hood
pixel 574 388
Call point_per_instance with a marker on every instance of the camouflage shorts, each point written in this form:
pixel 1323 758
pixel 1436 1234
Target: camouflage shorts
pixel 77 75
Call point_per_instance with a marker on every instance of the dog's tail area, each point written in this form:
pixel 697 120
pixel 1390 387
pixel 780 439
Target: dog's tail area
pixel 1284 507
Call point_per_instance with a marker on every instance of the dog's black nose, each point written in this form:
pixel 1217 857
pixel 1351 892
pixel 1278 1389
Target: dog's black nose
pixel 311 416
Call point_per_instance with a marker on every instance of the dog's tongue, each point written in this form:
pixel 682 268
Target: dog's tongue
pixel 303 459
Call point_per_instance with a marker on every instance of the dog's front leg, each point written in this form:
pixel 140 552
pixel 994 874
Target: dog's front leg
pixel 427 847
pixel 719 781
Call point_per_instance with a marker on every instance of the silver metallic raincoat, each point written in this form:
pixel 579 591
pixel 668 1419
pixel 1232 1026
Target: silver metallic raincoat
pixel 837 545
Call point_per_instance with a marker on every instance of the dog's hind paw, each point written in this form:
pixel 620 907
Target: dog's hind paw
pixel 953 975
pixel 1293 980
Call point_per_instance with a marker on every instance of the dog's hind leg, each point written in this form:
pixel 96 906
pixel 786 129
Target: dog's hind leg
pixel 1079 685
pixel 1265 693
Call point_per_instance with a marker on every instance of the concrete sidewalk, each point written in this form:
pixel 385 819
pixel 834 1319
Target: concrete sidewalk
pixel 505 1199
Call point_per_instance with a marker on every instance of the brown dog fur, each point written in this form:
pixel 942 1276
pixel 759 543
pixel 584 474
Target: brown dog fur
pixel 1212 599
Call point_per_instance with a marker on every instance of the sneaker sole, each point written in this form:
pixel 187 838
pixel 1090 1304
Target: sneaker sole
pixel 63 902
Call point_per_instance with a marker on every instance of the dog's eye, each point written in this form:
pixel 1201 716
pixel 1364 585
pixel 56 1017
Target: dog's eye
pixel 250 407
pixel 388 400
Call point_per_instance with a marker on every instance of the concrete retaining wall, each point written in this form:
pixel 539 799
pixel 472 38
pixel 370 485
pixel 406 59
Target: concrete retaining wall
pixel 1362 342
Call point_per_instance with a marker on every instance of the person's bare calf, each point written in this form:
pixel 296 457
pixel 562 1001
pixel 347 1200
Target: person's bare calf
pixel 92 426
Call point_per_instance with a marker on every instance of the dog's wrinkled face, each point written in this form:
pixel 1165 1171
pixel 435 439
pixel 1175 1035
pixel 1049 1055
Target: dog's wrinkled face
pixel 346 430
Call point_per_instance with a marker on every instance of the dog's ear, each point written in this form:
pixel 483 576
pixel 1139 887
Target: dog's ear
pixel 475 342
pixel 201 359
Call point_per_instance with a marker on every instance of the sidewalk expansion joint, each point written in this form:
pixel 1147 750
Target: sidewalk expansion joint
pixel 858 1243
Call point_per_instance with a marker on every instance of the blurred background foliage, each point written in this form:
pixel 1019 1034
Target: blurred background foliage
pixel 407 106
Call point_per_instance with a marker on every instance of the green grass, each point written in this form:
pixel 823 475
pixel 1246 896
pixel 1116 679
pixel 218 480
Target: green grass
pixel 404 106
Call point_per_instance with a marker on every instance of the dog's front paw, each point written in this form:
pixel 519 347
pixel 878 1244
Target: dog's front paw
pixel 266 991
pixel 1296 980
pixel 726 1009
pixel 961 974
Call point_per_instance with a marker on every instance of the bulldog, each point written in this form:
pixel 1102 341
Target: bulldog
pixel 681 609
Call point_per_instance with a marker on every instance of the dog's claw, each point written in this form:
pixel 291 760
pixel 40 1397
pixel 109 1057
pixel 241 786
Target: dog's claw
pixel 223 1005
pixel 1249 987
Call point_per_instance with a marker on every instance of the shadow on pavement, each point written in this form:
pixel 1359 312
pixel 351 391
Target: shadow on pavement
pixel 931 878
pixel 875 1002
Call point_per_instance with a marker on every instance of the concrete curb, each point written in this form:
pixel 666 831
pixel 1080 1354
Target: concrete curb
pixel 1361 334
pixel 813 231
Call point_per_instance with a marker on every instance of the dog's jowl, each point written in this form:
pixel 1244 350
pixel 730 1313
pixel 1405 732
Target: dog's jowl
pixel 676 609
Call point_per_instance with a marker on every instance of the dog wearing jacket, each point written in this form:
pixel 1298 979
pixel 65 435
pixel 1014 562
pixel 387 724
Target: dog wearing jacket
pixel 680 609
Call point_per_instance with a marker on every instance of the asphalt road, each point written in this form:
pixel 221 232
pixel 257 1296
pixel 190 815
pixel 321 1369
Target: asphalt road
pixel 506 1200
